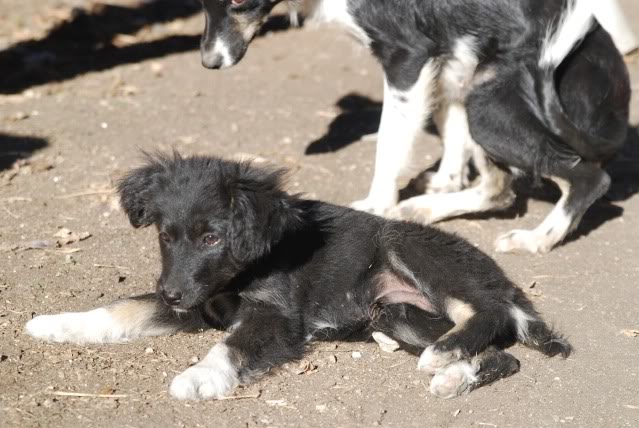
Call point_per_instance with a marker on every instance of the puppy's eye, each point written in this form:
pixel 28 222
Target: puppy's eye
pixel 211 240
pixel 165 237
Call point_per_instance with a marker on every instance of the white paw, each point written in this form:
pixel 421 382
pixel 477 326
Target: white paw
pixel 411 211
pixel 435 182
pixel 373 205
pixel 96 326
pixel 52 328
pixel 521 241
pixel 213 377
pixel 431 361
pixel 454 380
pixel 385 343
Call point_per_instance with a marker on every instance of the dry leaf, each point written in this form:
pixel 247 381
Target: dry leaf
pixel 630 332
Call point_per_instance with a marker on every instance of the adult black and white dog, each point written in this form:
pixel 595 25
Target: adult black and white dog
pixel 532 86
pixel 279 271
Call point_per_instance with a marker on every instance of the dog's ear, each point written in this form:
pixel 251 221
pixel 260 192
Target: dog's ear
pixel 261 212
pixel 136 190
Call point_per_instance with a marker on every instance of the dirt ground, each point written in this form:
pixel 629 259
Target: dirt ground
pixel 79 102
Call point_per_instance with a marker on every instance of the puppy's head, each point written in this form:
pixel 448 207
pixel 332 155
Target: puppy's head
pixel 230 27
pixel 213 217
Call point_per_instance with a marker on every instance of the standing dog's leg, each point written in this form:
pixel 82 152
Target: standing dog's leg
pixel 119 322
pixel 451 176
pixel 580 188
pixel 264 339
pixel 408 90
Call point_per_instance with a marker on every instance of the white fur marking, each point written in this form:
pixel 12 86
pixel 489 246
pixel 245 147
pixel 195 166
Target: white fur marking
pixel 214 377
pixel 573 27
pixel 220 49
pixel 338 11
pixel 521 319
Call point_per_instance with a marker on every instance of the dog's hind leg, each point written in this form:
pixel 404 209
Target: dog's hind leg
pixel 475 328
pixel 464 376
pixel 580 188
pixel 492 193
pixel 119 322
pixel 407 104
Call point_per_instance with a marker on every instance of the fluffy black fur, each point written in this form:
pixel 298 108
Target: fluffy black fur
pixel 238 251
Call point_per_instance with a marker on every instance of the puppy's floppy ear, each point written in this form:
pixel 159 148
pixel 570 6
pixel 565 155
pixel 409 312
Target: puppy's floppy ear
pixel 135 190
pixel 261 212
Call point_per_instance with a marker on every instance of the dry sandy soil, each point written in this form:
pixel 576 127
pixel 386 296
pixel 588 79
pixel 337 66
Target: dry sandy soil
pixel 76 106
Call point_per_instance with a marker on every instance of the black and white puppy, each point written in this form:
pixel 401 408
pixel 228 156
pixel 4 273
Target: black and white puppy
pixel 278 272
pixel 532 86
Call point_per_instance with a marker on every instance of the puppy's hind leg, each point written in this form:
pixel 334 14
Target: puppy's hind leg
pixel 119 322
pixel 464 376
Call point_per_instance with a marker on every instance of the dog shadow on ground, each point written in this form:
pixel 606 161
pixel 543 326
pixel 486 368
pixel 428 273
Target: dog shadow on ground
pixel 360 116
pixel 87 42
pixel 16 147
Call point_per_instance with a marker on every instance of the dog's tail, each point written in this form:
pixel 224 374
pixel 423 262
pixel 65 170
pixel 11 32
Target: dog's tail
pixel 533 332
pixel 576 22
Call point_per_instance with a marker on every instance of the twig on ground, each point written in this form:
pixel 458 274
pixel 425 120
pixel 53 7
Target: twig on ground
pixel 86 193
pixel 87 394
pixel 110 266
pixel 239 397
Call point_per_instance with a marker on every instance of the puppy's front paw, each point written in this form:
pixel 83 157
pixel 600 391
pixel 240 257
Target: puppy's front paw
pixel 214 377
pixel 454 380
pixel 52 328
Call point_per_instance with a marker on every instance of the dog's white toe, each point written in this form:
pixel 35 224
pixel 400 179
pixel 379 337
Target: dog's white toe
pixel 214 377
pixel 521 241
pixel 454 380
pixel 431 360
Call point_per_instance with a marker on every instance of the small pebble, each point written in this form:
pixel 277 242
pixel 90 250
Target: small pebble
pixel 148 351
pixel 356 354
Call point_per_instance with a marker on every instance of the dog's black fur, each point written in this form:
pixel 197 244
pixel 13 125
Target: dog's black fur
pixel 557 119
pixel 240 253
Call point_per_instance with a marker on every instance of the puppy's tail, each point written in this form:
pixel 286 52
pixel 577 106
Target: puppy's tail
pixel 576 22
pixel 534 333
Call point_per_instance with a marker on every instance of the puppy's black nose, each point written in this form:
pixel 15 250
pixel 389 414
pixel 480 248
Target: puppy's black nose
pixel 171 298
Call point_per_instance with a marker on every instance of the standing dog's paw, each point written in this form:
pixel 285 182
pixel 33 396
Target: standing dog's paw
pixel 518 241
pixel 454 380
pixel 213 377
pixel 373 205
